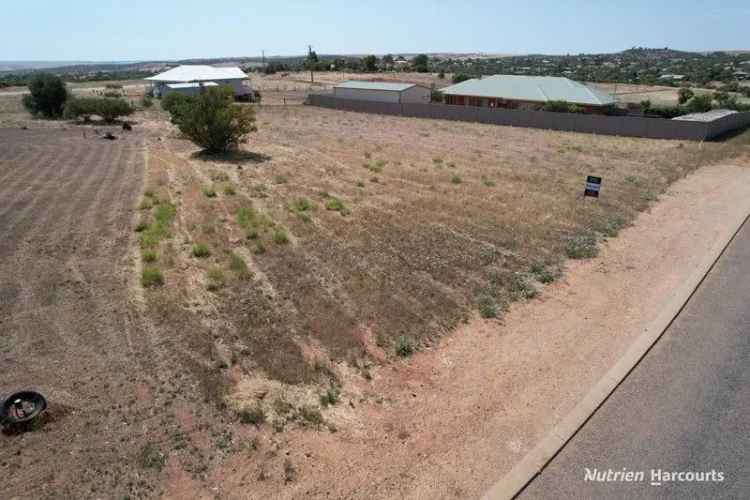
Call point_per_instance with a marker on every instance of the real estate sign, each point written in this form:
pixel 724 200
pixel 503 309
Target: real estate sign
pixel 593 186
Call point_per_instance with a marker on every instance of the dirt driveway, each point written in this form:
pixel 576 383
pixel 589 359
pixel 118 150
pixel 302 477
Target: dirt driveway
pixel 66 205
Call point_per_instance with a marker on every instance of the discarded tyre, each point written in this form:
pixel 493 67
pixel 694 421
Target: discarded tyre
pixel 22 407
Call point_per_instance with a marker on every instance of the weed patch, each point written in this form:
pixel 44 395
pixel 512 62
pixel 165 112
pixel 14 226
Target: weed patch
pixel 254 415
pixel 215 279
pixel 151 277
pixel 201 250
pixel 336 205
pixel 582 246
pixel 405 346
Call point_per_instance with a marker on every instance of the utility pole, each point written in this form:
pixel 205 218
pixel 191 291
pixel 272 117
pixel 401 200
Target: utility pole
pixel 312 68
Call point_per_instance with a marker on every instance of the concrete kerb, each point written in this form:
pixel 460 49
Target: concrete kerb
pixel 514 482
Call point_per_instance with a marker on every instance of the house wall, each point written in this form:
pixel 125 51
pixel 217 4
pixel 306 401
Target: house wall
pixel 496 102
pixel 367 95
pixel 416 94
pixel 238 86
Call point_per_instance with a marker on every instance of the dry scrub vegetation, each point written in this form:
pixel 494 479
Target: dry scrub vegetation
pixel 337 241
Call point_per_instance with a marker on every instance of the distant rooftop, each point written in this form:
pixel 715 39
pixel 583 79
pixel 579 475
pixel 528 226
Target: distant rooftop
pixel 198 73
pixel 532 89
pixel 362 85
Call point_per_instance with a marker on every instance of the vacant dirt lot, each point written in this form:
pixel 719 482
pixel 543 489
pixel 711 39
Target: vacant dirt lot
pixel 397 228
pixel 295 274
pixel 365 237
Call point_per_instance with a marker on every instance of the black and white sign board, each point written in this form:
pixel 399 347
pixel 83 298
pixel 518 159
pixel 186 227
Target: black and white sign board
pixel 593 186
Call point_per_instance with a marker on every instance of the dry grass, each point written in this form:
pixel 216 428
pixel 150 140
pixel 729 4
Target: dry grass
pixel 428 245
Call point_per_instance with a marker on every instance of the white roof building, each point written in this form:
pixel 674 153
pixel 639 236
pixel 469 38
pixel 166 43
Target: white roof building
pixel 198 73
pixel 188 79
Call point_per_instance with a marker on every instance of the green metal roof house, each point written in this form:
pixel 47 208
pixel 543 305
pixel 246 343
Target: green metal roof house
pixel 525 92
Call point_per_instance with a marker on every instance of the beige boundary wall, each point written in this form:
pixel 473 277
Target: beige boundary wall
pixel 627 126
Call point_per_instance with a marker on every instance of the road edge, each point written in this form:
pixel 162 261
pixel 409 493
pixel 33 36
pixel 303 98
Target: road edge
pixel 524 472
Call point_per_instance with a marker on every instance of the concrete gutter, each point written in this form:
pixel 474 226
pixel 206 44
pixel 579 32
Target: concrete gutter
pixel 537 459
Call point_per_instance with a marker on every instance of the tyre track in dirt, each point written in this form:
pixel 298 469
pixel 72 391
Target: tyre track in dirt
pixel 66 327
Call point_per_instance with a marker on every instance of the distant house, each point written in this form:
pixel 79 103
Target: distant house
pixel 525 92
pixel 669 76
pixel 393 92
pixel 189 79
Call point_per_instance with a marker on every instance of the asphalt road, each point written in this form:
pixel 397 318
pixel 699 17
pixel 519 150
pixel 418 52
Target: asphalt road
pixel 685 407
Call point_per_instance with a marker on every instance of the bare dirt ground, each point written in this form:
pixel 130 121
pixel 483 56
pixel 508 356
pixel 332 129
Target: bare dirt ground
pixel 66 205
pixel 409 255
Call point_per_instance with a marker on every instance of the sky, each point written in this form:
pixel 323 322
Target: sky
pixel 130 30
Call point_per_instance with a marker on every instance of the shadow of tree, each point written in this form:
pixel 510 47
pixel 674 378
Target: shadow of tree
pixel 235 157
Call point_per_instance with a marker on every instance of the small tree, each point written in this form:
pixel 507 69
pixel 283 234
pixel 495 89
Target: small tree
pixel 460 77
pixel 47 97
pixel 685 94
pixel 421 63
pixel 213 121
pixel 700 103
pixel 370 63
pixel 86 107
pixel 112 109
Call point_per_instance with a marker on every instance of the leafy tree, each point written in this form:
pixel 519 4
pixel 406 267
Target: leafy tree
pixel 370 63
pixel 388 60
pixel 685 94
pixel 460 77
pixel 213 121
pixel 441 75
pixel 700 103
pixel 47 97
pixel 421 63
pixel 86 107
pixel 112 109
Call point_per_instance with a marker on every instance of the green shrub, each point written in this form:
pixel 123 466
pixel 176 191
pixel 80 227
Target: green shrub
pixel 460 77
pixel 254 415
pixel 562 107
pixel 149 256
pixel 330 398
pixel 201 250
pixel 237 264
pixel 700 103
pixel 147 101
pixel 86 107
pixel 214 122
pixel 229 190
pixel 405 346
pixel 280 237
pixel 215 279
pixel 582 246
pixel 456 179
pixel 543 273
pixel 151 277
pixel 173 101
pixel 311 415
pixel 208 191
pixel 684 95
pixel 336 205
pixel 47 96
pixel 488 309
